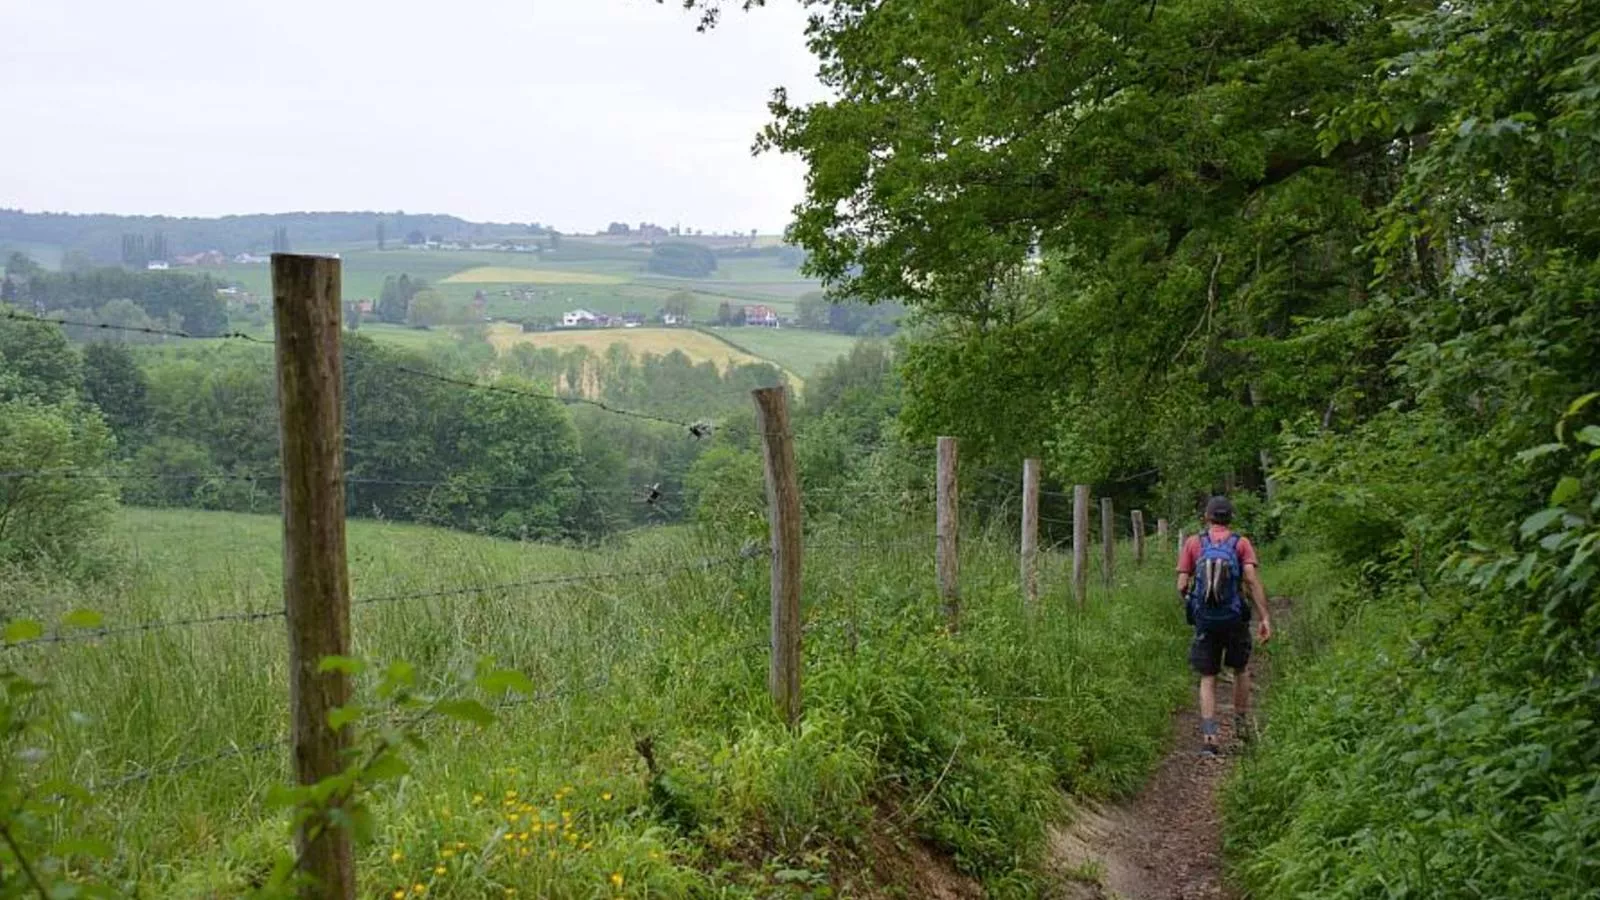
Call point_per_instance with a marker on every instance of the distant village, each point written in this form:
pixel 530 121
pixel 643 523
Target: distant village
pixel 758 315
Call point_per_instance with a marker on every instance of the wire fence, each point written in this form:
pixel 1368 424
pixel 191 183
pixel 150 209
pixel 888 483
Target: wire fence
pixel 895 548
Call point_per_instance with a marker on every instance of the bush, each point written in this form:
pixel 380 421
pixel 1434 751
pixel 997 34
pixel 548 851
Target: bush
pixel 45 516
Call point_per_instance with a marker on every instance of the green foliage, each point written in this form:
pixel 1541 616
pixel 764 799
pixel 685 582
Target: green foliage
pixel 173 299
pixel 114 383
pixel 681 259
pixel 51 517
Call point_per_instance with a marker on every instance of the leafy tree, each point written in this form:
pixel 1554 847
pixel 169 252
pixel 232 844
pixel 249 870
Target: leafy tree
pixel 41 365
pixel 50 518
pixel 681 260
pixel 115 384
pixel 678 304
pixel 427 308
pixel 21 265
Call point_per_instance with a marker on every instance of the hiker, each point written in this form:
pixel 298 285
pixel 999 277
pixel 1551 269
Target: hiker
pixel 1216 570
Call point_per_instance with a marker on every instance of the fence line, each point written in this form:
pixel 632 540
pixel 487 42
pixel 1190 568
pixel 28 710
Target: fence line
pixel 89 634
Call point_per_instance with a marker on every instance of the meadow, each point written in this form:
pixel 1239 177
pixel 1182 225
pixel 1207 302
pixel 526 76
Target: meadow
pixel 178 732
pixel 796 350
pixel 697 346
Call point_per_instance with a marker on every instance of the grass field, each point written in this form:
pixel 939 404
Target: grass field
pixel 512 275
pixel 658 341
pixel 553 799
pixel 794 349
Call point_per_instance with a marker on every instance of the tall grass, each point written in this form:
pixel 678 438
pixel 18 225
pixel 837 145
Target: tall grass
pixel 958 740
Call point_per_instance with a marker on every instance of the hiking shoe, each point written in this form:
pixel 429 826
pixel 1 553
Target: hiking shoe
pixel 1210 751
pixel 1244 730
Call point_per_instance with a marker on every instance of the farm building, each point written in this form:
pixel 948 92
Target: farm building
pixel 764 316
pixel 579 318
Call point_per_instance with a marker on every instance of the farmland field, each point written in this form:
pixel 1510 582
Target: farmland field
pixel 698 346
pixel 795 349
pixel 513 275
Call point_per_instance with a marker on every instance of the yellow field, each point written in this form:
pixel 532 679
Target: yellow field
pixel 513 275
pixel 658 341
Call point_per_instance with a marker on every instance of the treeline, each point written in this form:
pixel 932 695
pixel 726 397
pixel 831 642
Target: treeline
pixel 101 236
pixel 169 300
pixel 195 425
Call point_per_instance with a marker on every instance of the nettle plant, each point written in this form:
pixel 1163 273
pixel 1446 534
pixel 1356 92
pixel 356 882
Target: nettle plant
pixel 1556 561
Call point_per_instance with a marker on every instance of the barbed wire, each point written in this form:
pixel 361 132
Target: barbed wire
pixel 134 329
pixel 646 493
pixel 89 634
pixel 185 764
pixel 698 429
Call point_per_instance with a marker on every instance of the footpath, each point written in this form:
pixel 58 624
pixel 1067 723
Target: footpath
pixel 1165 843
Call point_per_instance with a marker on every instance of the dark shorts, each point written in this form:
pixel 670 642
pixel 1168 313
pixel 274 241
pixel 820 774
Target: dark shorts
pixel 1212 649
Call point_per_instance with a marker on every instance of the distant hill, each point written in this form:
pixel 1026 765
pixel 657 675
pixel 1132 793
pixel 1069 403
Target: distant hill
pixel 101 235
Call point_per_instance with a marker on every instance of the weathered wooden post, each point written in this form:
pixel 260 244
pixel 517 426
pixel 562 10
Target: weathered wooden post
pixel 947 527
pixel 1030 532
pixel 316 583
pixel 1182 539
pixel 1138 536
pixel 783 517
pixel 1080 543
pixel 1161 535
pixel 1108 538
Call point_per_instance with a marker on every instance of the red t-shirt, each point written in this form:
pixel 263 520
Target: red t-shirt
pixel 1219 533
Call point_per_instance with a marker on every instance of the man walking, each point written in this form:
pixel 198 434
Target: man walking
pixel 1216 569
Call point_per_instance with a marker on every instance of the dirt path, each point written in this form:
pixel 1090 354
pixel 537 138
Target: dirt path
pixel 1166 842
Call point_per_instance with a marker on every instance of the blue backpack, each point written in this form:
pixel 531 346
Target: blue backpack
pixel 1215 596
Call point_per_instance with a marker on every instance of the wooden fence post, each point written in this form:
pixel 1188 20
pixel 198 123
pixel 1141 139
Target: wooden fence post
pixel 1182 538
pixel 1161 535
pixel 1080 543
pixel 948 531
pixel 1138 536
pixel 316 583
pixel 1108 538
pixel 783 517
pixel 1030 532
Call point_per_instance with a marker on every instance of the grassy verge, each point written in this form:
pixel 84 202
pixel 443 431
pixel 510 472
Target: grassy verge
pixel 911 735
pixel 1419 747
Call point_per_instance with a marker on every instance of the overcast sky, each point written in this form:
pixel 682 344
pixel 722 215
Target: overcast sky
pixel 568 112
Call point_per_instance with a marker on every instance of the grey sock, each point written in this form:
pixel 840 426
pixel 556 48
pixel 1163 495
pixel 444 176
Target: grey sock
pixel 1208 727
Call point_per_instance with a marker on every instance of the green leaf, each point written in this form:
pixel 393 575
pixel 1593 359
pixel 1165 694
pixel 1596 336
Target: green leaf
pixel 1589 434
pixel 344 715
pixel 503 680
pixel 347 665
pixel 82 618
pixel 387 767
pixel 1565 490
pixel 466 711
pixel 1578 404
pixel 22 630
pixel 1533 453
pixel 1539 521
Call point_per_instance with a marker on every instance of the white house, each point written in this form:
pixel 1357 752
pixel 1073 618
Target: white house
pixel 674 319
pixel 579 317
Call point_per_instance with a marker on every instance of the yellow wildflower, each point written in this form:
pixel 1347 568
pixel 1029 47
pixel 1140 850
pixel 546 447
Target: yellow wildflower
pixel 606 796
pixel 588 845
pixel 399 894
pixel 396 856
pixel 439 870
pixel 523 836
pixel 447 852
pixel 616 879
pixel 419 888
pixel 477 799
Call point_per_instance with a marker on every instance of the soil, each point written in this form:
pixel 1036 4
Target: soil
pixel 1166 842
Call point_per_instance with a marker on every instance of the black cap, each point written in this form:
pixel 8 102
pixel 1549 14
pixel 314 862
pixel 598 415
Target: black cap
pixel 1219 509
